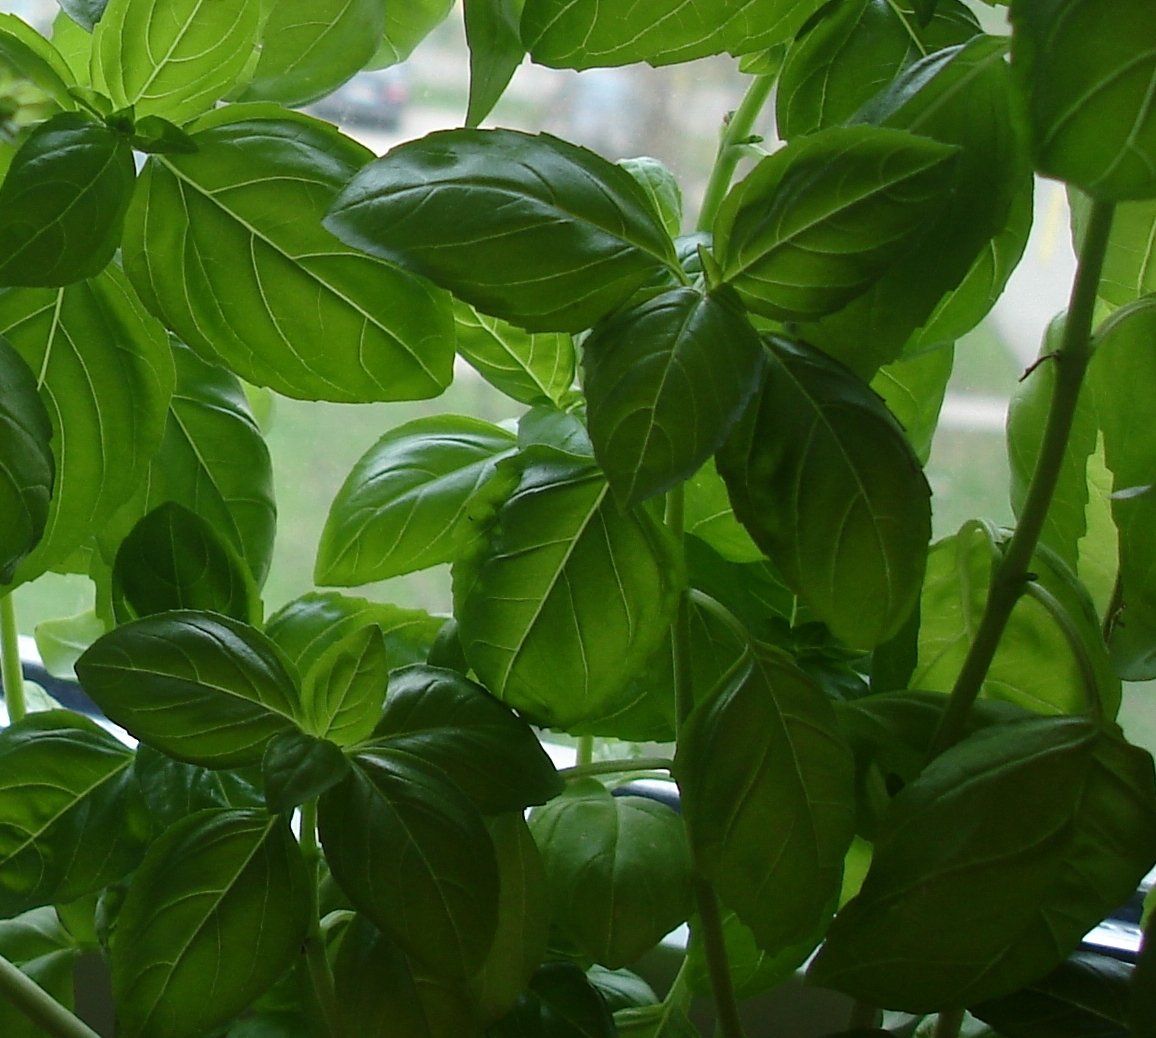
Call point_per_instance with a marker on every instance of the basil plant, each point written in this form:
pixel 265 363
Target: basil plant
pixel 703 553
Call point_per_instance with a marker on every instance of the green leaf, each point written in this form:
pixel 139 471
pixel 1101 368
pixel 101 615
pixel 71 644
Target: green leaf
pixel 530 368
pixel 568 596
pixel 98 357
pixel 496 50
pixel 411 852
pixel 60 642
pixel 62 202
pixel 46 953
pixel 201 687
pixel 280 301
pixel 1086 996
pixel 992 866
pixel 342 694
pixel 406 25
pixel 854 50
pixel 664 382
pixel 1130 260
pixel 560 1003
pixel 1089 107
pixel 824 480
pixel 709 517
pixel 173 790
pixel 216 913
pixel 818 222
pixel 576 234
pixel 298 767
pixel 310 47
pixel 1126 352
pixel 174 58
pixel 173 559
pixel 382 991
pixel 913 389
pixel 155 135
pixel 661 188
pixel 618 871
pixel 1142 1005
pixel 520 941
pixel 403 506
pixel 454 725
pixel 27 468
pixel 71 817
pixel 85 13
pixel 34 59
pixel 586 34
pixel 768 796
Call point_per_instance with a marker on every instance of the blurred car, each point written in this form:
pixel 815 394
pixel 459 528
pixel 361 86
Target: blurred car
pixel 375 98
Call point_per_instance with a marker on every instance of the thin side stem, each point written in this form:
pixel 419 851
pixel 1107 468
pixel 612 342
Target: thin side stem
pixel 13 673
pixel 320 972
pixel 584 752
pixel 1013 571
pixel 726 1005
pixel 40 1007
pixel 616 767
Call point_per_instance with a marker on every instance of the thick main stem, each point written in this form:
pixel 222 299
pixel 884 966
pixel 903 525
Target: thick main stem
pixel 1012 574
pixel 316 958
pixel 10 666
pixel 40 1007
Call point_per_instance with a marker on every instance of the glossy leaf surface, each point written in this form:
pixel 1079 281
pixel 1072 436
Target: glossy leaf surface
pixel 1014 843
pixel 297 767
pixel 567 595
pixel 173 789
pixel 281 302
pixel 768 798
pixel 341 696
pixel 403 506
pixel 826 483
pixel 215 914
pixel 201 687
pixel 664 382
pixel 494 37
pixel 576 234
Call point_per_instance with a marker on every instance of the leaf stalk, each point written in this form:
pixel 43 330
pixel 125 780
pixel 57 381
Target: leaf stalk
pixel 11 670
pixel 316 959
pixel 40 1007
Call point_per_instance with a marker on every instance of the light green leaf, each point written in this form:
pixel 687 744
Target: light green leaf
pixel 403 506
pixel 279 301
pixel 768 797
pixel 34 59
pixel 709 517
pixel 576 234
pixel 174 58
pixel 98 358
pixel 664 382
pixel 27 468
pixel 1089 107
pixel 411 852
pixel 46 953
pixel 828 486
pixel 60 642
pixel 661 187
pixel 1130 260
pixel 618 871
pixel 496 50
pixel 528 367
pixel 568 596
pixel 216 913
pixel 406 25
pixel 993 864
pixel 342 694
pixel 310 47
pixel 913 389
pixel 71 817
pixel 201 687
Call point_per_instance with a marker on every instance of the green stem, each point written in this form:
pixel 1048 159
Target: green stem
pixel 316 958
pixel 1012 573
pixel 41 1008
pixel 584 752
pixel 737 133
pixel 10 668
pixel 616 767
pixel 710 932
pixel 948 1024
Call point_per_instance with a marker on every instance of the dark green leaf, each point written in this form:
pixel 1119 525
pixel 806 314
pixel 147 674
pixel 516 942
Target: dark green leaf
pixel 529 367
pixel 403 506
pixel 71 816
pixel 84 12
pixel 618 870
pixel 1089 107
pixel 174 790
pixel 280 301
pixel 155 135
pixel 448 722
pixel 569 596
pixel 496 51
pixel 576 234
pixel 99 357
pixel 768 795
pixel 1086 996
pixel 560 1003
pixel 818 222
pixel 382 991
pixel 342 694
pixel 828 486
pixel 310 47
pixel 27 468
pixel 62 202
pixel 586 34
pixel 412 853
pixel 45 953
pixel 621 989
pixel 173 559
pixel 665 381
pixel 201 687
pixel 213 917
pixel 299 767
pixel 1142 1004
pixel 993 864
pixel 174 58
